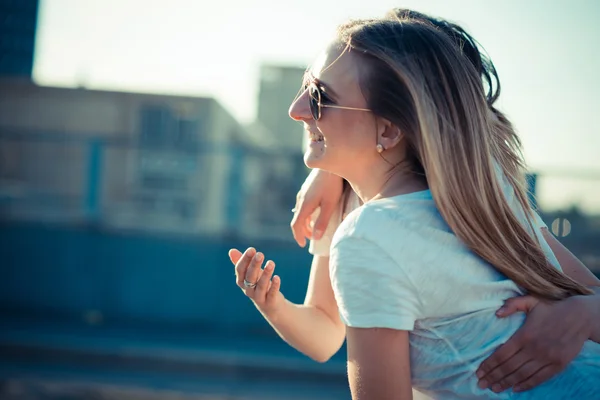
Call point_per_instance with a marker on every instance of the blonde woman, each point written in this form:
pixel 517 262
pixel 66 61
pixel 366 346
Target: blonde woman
pixel 419 270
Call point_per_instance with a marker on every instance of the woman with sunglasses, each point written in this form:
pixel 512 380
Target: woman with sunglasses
pixel 399 112
pixel 540 344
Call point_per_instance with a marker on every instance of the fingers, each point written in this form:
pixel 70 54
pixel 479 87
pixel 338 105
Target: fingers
pixel 248 267
pixel 517 304
pixel 254 269
pixel 308 227
pixel 266 290
pixel 298 224
pixel 536 379
pixel 241 266
pixel 235 255
pixel 274 289
pixel 304 210
pixel 499 357
pixel 510 371
pixel 262 286
pixel 520 374
pixel 326 211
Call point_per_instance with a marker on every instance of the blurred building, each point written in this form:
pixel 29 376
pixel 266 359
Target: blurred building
pixel 579 232
pixel 279 85
pixel 18 20
pixel 135 159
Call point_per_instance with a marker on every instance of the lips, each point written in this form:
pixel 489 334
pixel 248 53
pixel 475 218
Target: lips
pixel 315 137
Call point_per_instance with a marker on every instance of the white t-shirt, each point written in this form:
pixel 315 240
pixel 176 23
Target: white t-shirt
pixel 395 263
pixel 322 246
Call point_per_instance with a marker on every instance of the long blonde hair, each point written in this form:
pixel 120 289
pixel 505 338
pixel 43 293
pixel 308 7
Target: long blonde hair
pixel 418 78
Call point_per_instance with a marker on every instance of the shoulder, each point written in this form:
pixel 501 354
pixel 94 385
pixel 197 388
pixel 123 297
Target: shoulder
pixel 372 236
pixel 362 259
pixel 385 219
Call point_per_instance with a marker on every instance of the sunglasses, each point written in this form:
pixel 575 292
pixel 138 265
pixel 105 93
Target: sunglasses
pixel 316 98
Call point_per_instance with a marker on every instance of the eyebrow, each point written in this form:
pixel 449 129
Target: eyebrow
pixel 326 88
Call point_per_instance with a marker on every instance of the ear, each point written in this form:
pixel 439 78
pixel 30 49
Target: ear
pixel 388 134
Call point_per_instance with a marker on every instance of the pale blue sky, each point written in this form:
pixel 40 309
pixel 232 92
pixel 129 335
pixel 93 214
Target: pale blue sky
pixel 545 52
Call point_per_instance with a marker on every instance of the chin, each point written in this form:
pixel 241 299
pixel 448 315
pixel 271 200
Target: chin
pixel 314 159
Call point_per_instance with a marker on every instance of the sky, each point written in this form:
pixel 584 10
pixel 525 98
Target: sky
pixel 545 53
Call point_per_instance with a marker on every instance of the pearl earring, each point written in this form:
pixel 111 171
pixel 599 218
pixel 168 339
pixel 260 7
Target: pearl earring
pixel 379 148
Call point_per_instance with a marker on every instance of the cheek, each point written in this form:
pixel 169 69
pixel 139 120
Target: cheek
pixel 345 125
pixel 352 138
pixel 346 146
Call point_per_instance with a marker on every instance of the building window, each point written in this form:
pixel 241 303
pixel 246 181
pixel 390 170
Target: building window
pixel 187 133
pixel 162 128
pixel 162 182
pixel 156 126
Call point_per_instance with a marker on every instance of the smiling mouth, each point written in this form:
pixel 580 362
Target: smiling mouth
pixel 315 137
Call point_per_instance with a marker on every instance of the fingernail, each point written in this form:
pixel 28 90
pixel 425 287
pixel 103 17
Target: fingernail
pixel 479 374
pixel 483 384
pixel 269 265
pixel 496 387
pixel 517 388
pixel 501 310
pixel 258 257
pixel 318 234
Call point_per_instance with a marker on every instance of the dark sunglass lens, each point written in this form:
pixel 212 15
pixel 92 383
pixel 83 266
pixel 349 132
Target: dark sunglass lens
pixel 314 94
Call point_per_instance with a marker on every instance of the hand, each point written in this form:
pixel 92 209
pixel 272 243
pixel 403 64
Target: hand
pixel 540 349
pixel 265 295
pixel 322 190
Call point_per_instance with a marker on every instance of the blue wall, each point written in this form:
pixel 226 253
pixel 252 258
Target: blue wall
pixel 62 272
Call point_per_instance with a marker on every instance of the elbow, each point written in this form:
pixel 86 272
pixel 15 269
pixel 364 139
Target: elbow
pixel 321 358
pixel 324 355
pixel 328 350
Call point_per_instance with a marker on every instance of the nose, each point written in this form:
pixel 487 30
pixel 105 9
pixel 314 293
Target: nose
pixel 300 109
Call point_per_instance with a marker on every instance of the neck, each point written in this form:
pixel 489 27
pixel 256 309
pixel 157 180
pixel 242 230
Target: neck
pixel 386 182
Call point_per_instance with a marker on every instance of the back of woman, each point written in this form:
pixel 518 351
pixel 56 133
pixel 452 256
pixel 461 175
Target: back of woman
pixel 423 279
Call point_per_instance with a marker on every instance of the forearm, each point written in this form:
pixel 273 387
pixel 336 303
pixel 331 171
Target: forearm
pixel 570 264
pixel 309 330
pixel 591 304
pixel 575 269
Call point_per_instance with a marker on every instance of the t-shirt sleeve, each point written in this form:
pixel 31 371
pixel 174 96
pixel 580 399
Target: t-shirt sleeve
pixel 371 289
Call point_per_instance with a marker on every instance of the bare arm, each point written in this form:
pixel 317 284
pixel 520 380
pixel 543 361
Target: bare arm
pixel 379 364
pixel 570 264
pixel 313 328
pixel 573 267
pixel 540 342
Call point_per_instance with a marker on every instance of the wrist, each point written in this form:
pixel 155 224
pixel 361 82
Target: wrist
pixel 273 314
pixel 328 174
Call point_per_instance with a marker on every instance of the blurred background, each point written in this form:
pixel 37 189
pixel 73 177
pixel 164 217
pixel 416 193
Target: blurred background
pixel 140 140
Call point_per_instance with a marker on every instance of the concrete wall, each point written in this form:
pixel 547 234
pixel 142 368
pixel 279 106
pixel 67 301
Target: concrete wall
pixel 48 134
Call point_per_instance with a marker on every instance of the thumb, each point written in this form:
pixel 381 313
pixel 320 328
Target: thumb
pixel 235 255
pixel 517 304
pixel 326 211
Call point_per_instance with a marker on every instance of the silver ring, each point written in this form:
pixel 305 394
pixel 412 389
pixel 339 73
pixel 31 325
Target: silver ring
pixel 249 285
